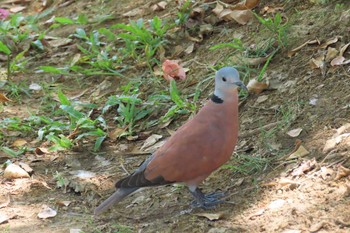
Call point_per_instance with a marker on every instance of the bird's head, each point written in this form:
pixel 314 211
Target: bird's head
pixel 227 80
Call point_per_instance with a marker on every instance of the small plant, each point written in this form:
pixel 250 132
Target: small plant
pixel 277 28
pixel 247 165
pixel 143 42
pixel 130 108
pixel 181 106
pixel 184 13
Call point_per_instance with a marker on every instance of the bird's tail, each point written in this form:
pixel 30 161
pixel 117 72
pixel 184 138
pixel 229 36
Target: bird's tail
pixel 113 199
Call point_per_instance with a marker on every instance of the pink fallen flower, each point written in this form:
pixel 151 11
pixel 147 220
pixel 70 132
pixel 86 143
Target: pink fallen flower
pixel 172 70
pixel 4 13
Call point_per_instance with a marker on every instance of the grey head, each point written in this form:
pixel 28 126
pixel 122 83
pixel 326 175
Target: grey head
pixel 226 80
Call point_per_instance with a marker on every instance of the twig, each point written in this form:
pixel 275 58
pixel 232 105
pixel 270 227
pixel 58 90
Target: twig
pixel 257 130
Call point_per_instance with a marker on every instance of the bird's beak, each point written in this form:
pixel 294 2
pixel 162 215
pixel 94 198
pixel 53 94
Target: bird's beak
pixel 241 85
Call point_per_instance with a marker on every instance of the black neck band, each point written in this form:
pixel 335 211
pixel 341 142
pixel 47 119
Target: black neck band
pixel 217 99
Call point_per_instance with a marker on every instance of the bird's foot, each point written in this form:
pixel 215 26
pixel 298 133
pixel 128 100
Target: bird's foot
pixel 206 201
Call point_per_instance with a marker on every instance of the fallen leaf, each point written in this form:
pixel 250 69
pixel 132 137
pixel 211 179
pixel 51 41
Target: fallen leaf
pixel 47 212
pixel 159 6
pixel 211 216
pixel 317 63
pixel 25 167
pixel 343 49
pixel 35 87
pixel 261 99
pixel 295 50
pixel 326 173
pixel 241 17
pixel 247 4
pixel 257 214
pixel 16 9
pixel 329 42
pixel 276 204
pixel 172 70
pixel 333 142
pixel 337 61
pixel 41 151
pixel 133 12
pixel 5 203
pixel 75 230
pixel 331 54
pixel 294 132
pixel 197 11
pixel 151 140
pixel 218 9
pixel 14 171
pixel 3 98
pixel 116 133
pixel 299 153
pixel 305 167
pixel 19 142
pixel 64 203
pixel 342 172
pixel 3 218
pixel 189 49
pixel 256 87
pixel 4 13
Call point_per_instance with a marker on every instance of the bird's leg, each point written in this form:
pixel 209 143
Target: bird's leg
pixel 206 201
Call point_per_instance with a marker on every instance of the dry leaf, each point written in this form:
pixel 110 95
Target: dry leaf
pixel 3 219
pixel 256 87
pixel 257 214
pixel 299 153
pixel 35 87
pixel 342 172
pixel 17 9
pixel 172 70
pixel 14 171
pixel 343 49
pixel 41 151
pixel 19 142
pixel 211 216
pixel 276 204
pixel 133 12
pixel 3 98
pixel 331 54
pixel 218 9
pixel 197 11
pixel 329 42
pixel 251 61
pixel 326 173
pixel 295 132
pixel 116 133
pixel 295 50
pixel 317 63
pixel 47 212
pixel 25 167
pixel 189 49
pixel 261 99
pixel 247 4
pixel 241 17
pixel 339 60
pixel 63 203
pixel 305 167
pixel 159 6
pixel 151 140
pixel 4 13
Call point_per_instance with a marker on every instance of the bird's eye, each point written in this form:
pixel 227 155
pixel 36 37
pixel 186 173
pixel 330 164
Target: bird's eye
pixel 224 79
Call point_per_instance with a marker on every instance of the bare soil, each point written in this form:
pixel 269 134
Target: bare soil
pixel 310 193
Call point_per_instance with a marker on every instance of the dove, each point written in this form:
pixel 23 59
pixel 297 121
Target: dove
pixel 194 151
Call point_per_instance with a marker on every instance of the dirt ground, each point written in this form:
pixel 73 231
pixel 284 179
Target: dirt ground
pixel 303 187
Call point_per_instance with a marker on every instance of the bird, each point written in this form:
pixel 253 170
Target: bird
pixel 194 151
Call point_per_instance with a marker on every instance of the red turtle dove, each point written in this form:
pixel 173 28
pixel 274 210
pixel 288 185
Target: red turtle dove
pixel 195 150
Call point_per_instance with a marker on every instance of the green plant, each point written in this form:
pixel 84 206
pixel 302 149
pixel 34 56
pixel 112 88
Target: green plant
pixel 277 28
pixel 184 13
pixel 143 42
pixel 180 106
pixel 130 107
pixel 247 165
